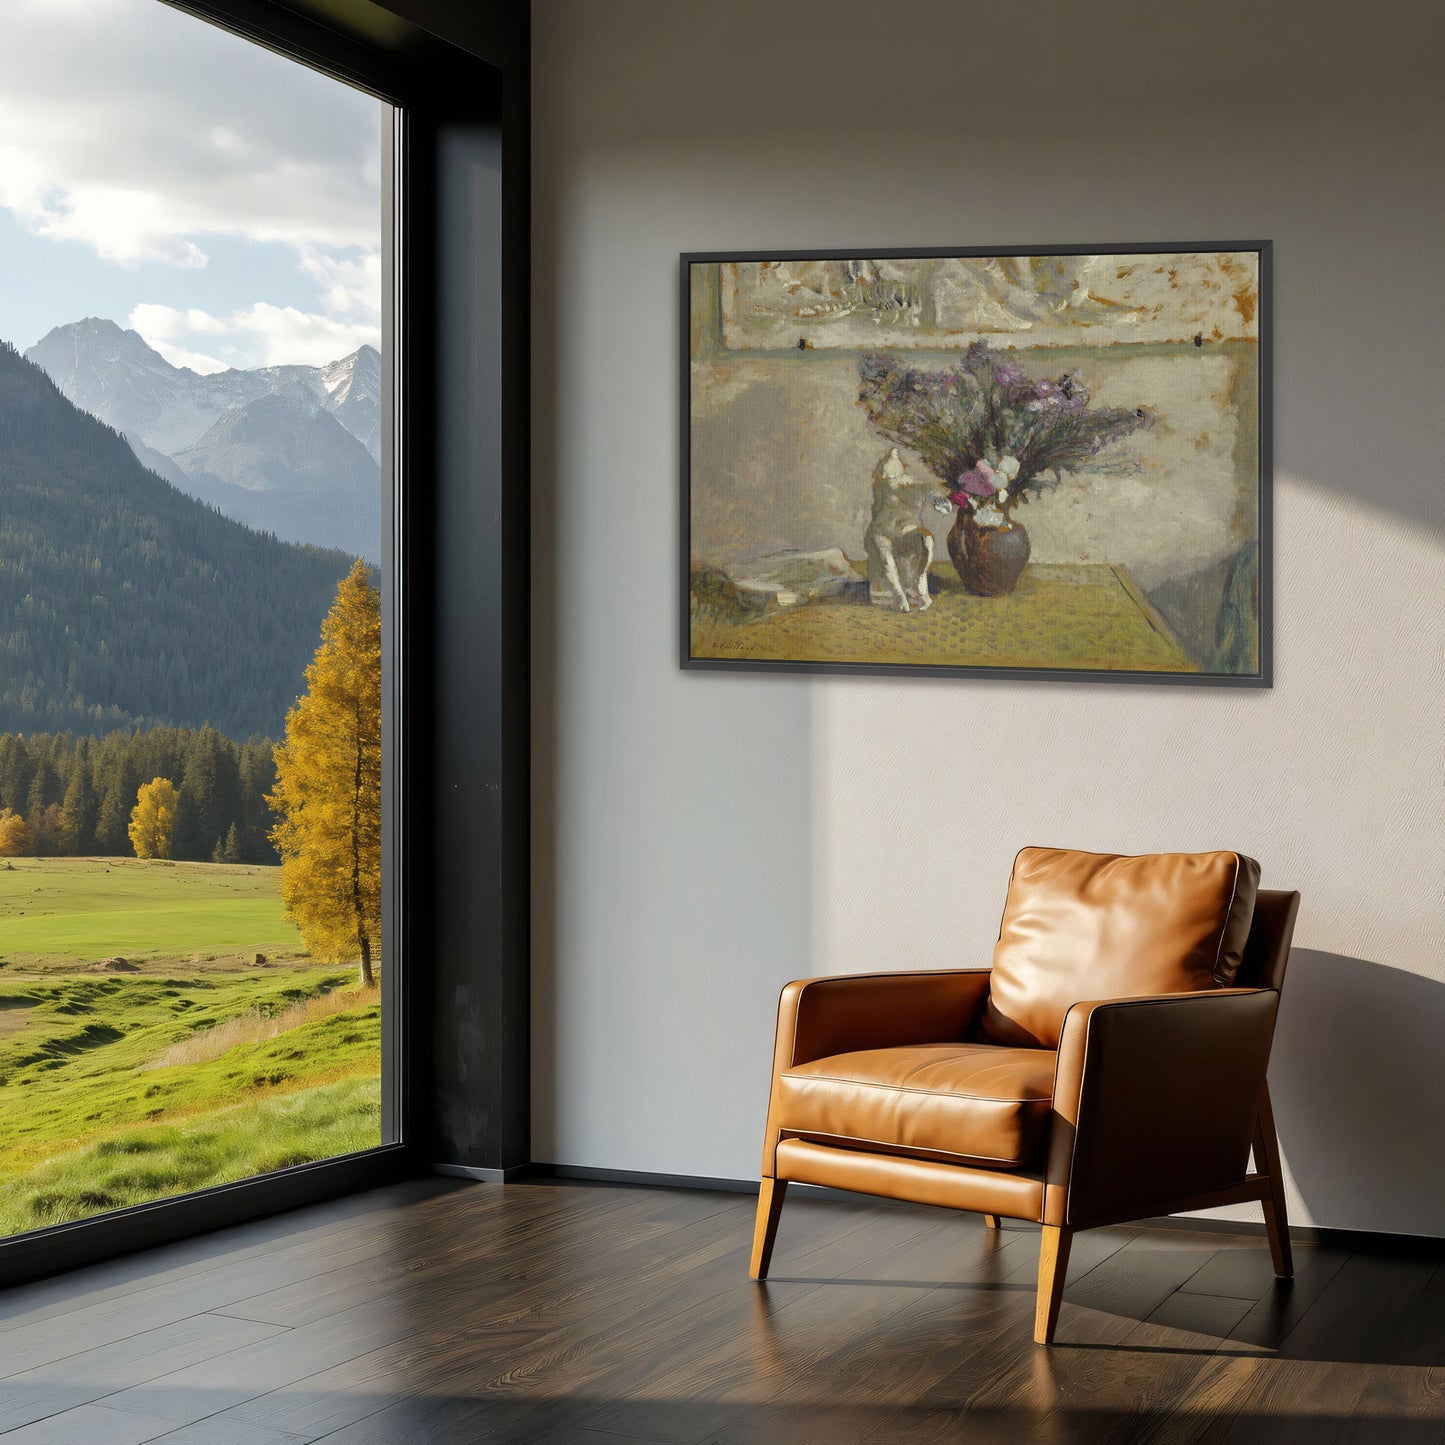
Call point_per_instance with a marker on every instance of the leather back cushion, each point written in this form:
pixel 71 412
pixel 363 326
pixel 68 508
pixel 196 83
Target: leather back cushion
pixel 1082 926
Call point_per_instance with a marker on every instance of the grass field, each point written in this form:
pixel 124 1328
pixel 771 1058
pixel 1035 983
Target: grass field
pixel 196 1066
pixel 78 910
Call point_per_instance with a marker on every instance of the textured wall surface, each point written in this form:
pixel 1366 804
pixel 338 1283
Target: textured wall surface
pixel 700 839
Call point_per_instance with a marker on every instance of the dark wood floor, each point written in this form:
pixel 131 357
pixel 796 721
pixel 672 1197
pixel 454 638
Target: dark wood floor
pixel 438 1312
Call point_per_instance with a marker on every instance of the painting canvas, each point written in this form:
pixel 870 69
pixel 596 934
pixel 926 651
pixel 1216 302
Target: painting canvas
pixel 1033 463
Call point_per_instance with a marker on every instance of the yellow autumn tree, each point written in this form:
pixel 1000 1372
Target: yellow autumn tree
pixel 14 834
pixel 328 785
pixel 153 819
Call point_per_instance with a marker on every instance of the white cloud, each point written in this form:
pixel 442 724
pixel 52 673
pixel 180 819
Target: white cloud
pixel 165 327
pixel 350 285
pixel 168 322
pixel 257 335
pixel 141 131
pixel 151 137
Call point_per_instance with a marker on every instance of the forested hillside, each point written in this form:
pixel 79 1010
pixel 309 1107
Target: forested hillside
pixel 74 795
pixel 125 603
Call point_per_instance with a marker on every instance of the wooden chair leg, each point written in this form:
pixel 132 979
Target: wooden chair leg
pixel 991 1221
pixel 765 1230
pixel 1053 1266
pixel 1266 1160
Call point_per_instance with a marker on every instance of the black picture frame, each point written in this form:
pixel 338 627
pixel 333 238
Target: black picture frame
pixel 1262 677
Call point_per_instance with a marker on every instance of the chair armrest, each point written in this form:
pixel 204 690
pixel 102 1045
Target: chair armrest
pixel 819 1017
pixel 1155 1101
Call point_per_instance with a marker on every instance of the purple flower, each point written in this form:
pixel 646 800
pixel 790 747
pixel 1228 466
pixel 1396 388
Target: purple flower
pixel 977 356
pixel 1072 393
pixel 982 405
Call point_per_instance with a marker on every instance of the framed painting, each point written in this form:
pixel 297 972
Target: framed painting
pixel 1048 462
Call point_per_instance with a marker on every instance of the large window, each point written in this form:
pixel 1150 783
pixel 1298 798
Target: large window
pixel 193 556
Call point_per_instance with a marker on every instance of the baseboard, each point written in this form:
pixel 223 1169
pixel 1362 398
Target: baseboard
pixel 1359 1241
pixel 1363 1241
pixel 485 1176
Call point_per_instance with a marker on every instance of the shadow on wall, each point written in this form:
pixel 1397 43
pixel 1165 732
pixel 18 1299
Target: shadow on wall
pixel 1358 1083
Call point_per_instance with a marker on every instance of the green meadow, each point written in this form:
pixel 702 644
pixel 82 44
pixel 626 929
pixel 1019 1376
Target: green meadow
pixel 74 911
pixel 162 1030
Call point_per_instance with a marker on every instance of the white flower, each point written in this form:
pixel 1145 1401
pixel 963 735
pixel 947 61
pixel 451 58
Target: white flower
pixel 1001 496
pixel 1009 467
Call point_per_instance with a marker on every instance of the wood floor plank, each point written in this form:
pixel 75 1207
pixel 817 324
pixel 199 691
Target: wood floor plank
pixel 585 1361
pixel 891 1351
pixel 230 1249
pixel 92 1326
pixel 324 1402
pixel 1333 1375
pixel 218 1430
pixel 92 1425
pixel 1204 1317
pixel 568 1312
pixel 1357 1315
pixel 955 1340
pixel 95 1374
pixel 1286 1302
pixel 439 1255
pixel 1260 1399
pixel 534 1314
pixel 1243 1271
pixel 213 1385
pixel 1131 1284
pixel 1109 1370
pixel 1421 1331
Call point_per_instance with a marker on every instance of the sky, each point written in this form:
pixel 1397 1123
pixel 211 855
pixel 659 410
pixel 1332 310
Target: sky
pixel 155 170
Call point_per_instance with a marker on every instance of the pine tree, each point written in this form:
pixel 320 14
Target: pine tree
pixel 257 765
pixel 79 811
pixel 231 848
pixel 153 821
pixel 327 796
pixel 47 831
pixel 45 786
pixel 124 602
pixel 95 780
pixel 210 791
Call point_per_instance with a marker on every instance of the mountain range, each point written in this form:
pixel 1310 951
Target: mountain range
pixel 292 450
pixel 125 602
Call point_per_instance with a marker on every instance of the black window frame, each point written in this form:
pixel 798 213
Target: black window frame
pixel 455 1052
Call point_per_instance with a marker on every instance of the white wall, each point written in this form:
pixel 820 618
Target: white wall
pixel 702 838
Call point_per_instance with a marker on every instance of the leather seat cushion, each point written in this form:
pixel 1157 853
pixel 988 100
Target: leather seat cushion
pixel 965 1103
pixel 1079 926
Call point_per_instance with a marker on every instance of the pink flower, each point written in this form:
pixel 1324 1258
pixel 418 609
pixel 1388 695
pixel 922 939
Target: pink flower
pixel 977 482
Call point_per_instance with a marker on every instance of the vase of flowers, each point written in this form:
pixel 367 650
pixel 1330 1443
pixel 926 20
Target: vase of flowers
pixel 992 435
pixel 989 549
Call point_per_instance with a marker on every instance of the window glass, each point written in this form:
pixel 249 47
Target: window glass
pixel 191 553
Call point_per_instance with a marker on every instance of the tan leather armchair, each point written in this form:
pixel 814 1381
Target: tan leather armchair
pixel 1110 1066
